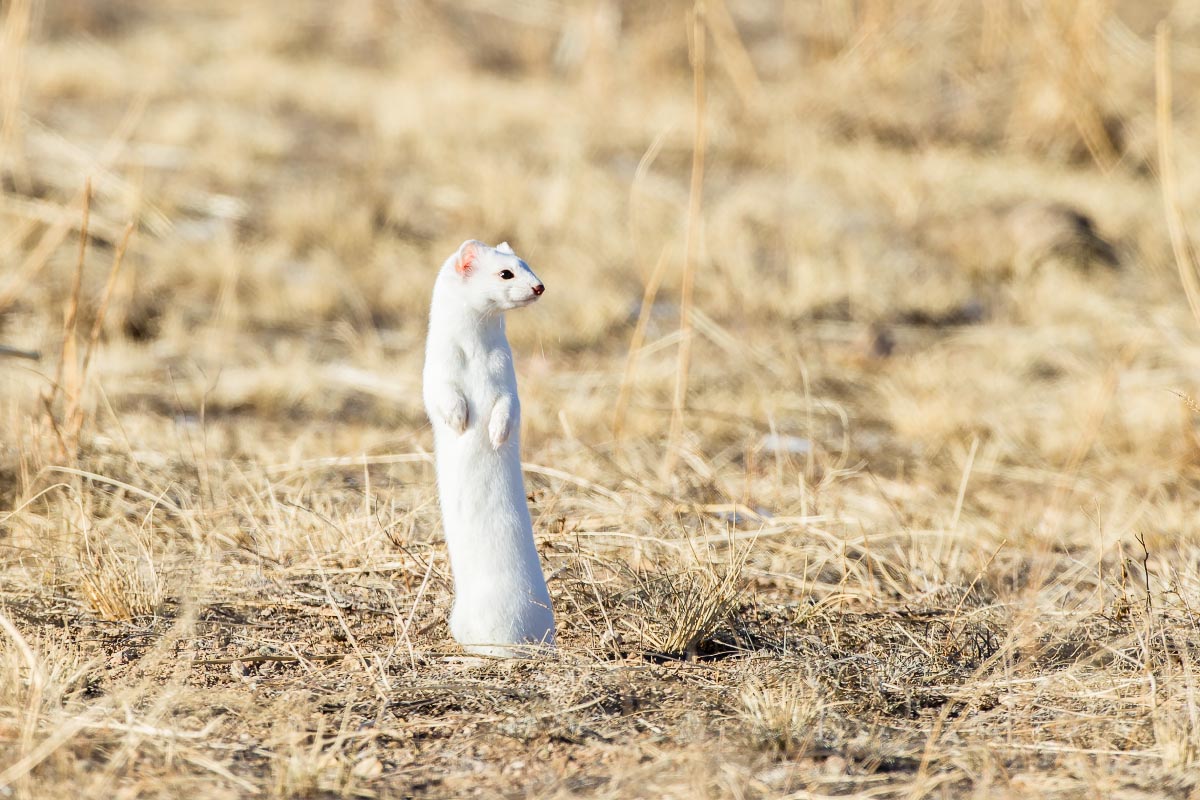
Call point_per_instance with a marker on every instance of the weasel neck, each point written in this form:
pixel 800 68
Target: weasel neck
pixel 453 317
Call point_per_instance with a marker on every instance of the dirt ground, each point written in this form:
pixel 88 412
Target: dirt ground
pixel 923 525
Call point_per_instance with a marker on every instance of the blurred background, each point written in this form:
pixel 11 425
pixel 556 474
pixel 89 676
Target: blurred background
pixel 941 258
pixel 937 207
pixel 879 174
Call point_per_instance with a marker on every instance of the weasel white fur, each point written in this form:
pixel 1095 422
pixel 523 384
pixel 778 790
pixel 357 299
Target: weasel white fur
pixel 501 606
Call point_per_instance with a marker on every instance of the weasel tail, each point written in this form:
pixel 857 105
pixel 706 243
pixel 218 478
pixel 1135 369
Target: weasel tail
pixel 501 605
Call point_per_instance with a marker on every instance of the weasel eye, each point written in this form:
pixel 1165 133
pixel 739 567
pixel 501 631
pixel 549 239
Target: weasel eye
pixel 506 274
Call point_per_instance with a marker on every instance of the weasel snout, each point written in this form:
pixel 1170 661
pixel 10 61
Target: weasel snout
pixel 539 289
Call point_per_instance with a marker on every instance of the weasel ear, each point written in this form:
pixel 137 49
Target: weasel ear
pixel 464 259
pixel 504 248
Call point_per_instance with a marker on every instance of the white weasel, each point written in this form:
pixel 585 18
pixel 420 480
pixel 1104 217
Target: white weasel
pixel 501 606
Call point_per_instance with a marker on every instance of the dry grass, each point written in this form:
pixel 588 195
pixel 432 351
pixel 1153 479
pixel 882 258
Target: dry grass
pixel 928 526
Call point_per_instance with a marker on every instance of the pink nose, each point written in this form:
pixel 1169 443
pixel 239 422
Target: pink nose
pixel 539 289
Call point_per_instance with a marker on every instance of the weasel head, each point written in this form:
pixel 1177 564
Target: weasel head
pixel 491 279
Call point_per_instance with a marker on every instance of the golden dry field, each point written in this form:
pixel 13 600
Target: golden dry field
pixel 858 418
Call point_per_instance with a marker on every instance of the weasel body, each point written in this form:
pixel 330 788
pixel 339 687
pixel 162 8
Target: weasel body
pixel 501 605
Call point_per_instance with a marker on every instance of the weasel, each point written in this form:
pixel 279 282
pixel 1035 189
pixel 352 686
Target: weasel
pixel 501 606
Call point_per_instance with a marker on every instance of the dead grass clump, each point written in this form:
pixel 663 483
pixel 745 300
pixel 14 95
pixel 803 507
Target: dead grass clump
pixel 1045 232
pixel 318 762
pixel 1004 242
pixel 118 586
pixel 64 399
pixel 1177 732
pixel 656 612
pixel 71 17
pixel 680 614
pixel 785 717
pixel 1063 105
pixel 898 663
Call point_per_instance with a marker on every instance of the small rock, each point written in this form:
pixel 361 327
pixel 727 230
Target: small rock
pixel 611 640
pixel 368 768
pixel 782 443
pixel 777 776
pixel 881 342
pixel 1041 231
pixel 122 657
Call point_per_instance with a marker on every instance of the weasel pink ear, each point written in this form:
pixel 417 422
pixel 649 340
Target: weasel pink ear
pixel 465 258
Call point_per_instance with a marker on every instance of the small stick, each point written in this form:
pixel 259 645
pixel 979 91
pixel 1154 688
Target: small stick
pixel 263 659
pixel 651 290
pixel 71 315
pixel 695 197
pixel 14 40
pixel 16 352
pixel 978 575
pixel 962 485
pixel 635 343
pixel 733 51
pixel 1181 245
pixel 98 322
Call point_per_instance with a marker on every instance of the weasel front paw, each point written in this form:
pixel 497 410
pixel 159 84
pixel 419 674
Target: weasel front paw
pixel 454 413
pixel 499 427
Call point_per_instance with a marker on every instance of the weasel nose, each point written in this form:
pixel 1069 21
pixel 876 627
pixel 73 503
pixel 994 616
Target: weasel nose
pixel 539 289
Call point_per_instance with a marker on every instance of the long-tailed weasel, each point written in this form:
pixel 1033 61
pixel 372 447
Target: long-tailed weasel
pixel 501 606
